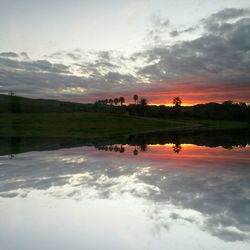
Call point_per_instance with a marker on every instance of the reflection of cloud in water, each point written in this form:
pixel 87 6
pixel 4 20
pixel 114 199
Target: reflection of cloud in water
pixel 214 198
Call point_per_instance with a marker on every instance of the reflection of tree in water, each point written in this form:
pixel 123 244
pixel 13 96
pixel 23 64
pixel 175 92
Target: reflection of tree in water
pixel 121 149
pixel 115 148
pixel 144 147
pixel 177 148
pixel 234 146
pixel 135 152
pixel 138 144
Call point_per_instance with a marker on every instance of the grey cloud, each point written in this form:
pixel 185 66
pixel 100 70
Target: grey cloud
pixel 35 66
pixel 115 77
pixel 160 22
pixel 37 84
pixel 176 32
pixel 24 54
pixel 8 54
pixel 42 78
pixel 106 55
pixel 229 13
pixel 159 26
pixel 221 22
pixel 74 56
pixel 44 65
pixel 220 54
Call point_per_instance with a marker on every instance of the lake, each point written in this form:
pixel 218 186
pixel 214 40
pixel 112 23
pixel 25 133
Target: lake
pixel 153 191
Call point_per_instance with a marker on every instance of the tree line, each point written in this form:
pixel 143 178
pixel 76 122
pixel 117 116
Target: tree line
pixel 228 110
pixel 121 101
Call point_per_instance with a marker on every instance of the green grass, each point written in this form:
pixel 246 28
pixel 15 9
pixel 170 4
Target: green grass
pixel 93 125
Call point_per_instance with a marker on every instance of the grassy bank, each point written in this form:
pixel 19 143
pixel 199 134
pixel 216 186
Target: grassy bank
pixel 90 125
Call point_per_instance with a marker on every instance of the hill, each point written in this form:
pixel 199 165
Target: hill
pixel 16 104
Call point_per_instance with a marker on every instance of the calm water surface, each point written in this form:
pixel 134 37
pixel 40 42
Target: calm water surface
pixel 171 196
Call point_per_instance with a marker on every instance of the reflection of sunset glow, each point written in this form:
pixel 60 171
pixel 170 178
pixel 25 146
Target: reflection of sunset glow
pixel 188 155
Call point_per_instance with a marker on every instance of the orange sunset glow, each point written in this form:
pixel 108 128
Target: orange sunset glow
pixel 192 92
pixel 188 155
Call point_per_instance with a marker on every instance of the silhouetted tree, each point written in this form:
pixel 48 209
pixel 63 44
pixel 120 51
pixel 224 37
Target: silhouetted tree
pixel 228 103
pixel 177 102
pixel 116 100
pixel 143 101
pixel 135 97
pixel 121 100
pixel 177 106
pixel 243 104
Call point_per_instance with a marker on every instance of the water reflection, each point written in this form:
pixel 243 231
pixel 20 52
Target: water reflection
pixel 200 194
pixel 136 149
pixel 227 139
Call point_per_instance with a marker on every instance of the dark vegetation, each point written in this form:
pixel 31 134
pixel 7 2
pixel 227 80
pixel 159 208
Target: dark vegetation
pixel 228 110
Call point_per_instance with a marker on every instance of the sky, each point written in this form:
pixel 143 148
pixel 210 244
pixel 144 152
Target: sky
pixel 83 51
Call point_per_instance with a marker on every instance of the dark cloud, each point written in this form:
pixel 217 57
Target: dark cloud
pixel 74 56
pixel 24 56
pixel 176 32
pixel 33 66
pixel 228 14
pixel 39 78
pixel 220 54
pixel 8 54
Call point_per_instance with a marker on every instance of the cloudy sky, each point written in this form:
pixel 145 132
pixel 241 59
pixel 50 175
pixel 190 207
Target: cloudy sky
pixel 82 51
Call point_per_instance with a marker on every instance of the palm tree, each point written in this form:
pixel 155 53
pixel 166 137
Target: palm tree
pixel 177 148
pixel 121 100
pixel 122 149
pixel 135 152
pixel 116 149
pixel 135 97
pixel 143 101
pixel 177 102
pixel 116 101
